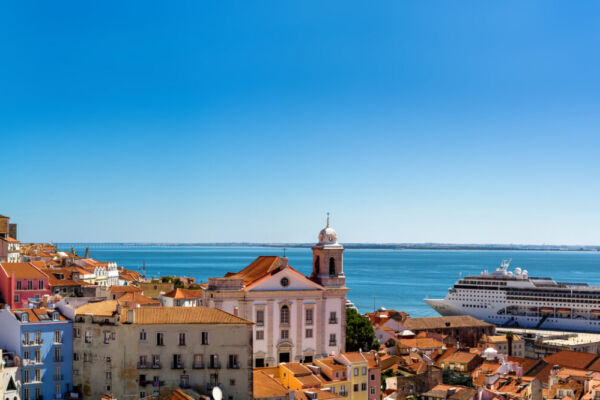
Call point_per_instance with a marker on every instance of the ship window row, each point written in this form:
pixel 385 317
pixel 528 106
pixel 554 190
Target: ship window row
pixel 554 300
pixel 487 283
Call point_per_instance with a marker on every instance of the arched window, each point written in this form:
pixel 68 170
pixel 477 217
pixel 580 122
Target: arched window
pixel 285 315
pixel 331 266
pixel 317 262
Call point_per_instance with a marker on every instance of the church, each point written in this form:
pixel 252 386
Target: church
pixel 296 318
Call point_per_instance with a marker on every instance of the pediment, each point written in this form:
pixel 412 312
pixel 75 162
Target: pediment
pixel 284 279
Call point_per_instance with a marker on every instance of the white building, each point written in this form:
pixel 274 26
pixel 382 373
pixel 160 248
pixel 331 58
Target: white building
pixel 182 298
pixel 103 274
pixel 296 318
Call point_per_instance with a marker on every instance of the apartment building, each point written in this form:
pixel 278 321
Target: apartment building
pixel 42 339
pixel 182 298
pixel 22 283
pixel 150 351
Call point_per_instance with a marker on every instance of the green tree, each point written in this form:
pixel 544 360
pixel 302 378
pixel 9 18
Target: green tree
pixel 509 338
pixel 359 332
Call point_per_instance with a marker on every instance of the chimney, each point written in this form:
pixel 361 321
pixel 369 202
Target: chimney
pixel 87 252
pixel 284 262
pixel 73 251
pixel 235 311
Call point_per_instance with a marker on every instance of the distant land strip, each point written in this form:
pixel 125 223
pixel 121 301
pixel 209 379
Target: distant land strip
pixel 383 246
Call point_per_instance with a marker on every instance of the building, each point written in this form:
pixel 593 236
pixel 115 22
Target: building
pixel 22 283
pixel 448 392
pixel 42 338
pixel 182 298
pixel 10 379
pixel 501 344
pixel 461 361
pixel 135 353
pixel 9 245
pixel 541 343
pixel 465 329
pixel 103 274
pixel 296 318
pixel 155 289
pixel 357 370
pixel 269 388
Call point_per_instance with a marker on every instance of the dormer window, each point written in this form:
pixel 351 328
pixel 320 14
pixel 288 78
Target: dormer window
pixel 55 316
pixel 24 317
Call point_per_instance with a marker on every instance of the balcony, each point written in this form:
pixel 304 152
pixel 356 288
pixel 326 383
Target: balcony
pixel 32 342
pixel 142 365
pixel 177 365
pixel 156 365
pixel 214 365
pixel 59 359
pixel 234 365
pixel 333 320
pixel 58 377
pixel 198 365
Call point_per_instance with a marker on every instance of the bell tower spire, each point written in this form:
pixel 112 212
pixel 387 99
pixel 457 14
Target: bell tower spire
pixel 328 261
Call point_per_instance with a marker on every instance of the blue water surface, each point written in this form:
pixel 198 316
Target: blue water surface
pixel 398 279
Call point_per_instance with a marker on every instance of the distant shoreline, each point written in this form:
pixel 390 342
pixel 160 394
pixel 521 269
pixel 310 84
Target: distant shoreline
pixel 366 246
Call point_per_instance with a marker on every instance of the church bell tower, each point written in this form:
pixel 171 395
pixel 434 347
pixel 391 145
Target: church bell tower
pixel 328 261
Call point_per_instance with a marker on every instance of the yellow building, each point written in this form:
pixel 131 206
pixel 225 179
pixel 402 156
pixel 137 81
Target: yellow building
pixel 357 367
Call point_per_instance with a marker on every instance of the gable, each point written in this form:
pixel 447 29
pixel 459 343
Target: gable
pixel 273 282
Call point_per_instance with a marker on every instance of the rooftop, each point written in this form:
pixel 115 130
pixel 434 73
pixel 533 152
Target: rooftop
pixel 460 321
pixel 21 270
pixel 179 315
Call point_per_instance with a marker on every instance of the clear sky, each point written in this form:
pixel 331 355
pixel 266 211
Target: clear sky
pixel 462 122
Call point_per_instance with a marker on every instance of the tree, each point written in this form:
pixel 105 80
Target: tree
pixel 359 332
pixel 509 338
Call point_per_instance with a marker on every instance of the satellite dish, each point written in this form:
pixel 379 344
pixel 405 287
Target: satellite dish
pixel 217 393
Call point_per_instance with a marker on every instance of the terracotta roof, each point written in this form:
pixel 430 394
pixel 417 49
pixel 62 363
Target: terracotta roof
pixel 353 357
pixel 180 315
pixel 420 343
pixel 137 298
pixel 595 365
pixel 460 321
pixel 106 308
pixel 321 394
pixel 260 267
pixel 515 386
pixel 296 368
pixel 331 363
pixel 37 314
pixel 265 386
pixel 184 294
pixel 21 270
pixel 9 239
pixel 178 395
pixel 573 359
pixel 526 364
pixel 460 357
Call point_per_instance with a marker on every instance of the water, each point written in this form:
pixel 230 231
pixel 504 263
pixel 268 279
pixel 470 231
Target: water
pixel 399 279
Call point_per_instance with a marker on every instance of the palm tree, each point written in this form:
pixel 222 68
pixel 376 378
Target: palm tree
pixel 509 338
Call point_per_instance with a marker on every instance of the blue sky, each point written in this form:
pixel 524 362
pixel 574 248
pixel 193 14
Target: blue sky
pixel 462 122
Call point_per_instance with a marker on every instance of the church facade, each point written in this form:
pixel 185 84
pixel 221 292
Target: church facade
pixel 296 318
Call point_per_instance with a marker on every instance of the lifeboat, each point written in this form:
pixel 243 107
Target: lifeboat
pixel 546 309
pixel 563 309
pixel 535 309
pixel 596 311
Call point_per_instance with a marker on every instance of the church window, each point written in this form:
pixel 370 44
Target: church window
pixel 285 282
pixel 331 266
pixel 317 262
pixel 285 315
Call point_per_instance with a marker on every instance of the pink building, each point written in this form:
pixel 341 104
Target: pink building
pixel 22 283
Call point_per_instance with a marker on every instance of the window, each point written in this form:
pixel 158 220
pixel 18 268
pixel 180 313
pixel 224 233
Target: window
pixel 331 267
pixel 309 316
pixel 26 338
pixel 332 341
pixel 260 335
pixel 38 392
pixel 142 363
pixel 198 361
pixel 76 332
pixel 343 390
pixel 26 355
pixel 284 317
pixel 232 361
pixel 38 375
pixel 38 337
pixel 333 317
pixel 182 339
pixel 259 362
pixel 58 354
pixel 317 263
pixel 142 395
pixel 372 390
pixel 214 361
pixel 57 337
pixel 75 356
pixel 364 370
pixel 57 389
pixel 107 337
pixel 38 356
pixel 160 339
pixel 19 285
pixel 155 361
pixel 40 284
pixel 26 377
pixel 142 336
pixel 356 387
pixel 372 377
pixel 57 374
pixel 204 337
pixel 285 334
pixel 29 285
pixel 177 361
pixel 309 333
pixel 232 382
pixel 108 375
pixel 355 371
pixel 17 299
pixel 363 386
pixel 260 317
pixel 184 381
pixel 88 336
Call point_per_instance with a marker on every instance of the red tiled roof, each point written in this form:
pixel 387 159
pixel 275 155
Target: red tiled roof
pixel 21 270
pixel 573 359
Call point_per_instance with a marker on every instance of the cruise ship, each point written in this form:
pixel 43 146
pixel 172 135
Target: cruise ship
pixel 515 299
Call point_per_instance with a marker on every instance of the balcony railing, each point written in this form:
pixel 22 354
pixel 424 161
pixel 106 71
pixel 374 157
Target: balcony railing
pixel 235 365
pixel 333 320
pixel 58 377
pixel 214 365
pixel 198 365
pixel 59 359
pixel 177 365
pixel 33 342
pixel 142 365
pixel 156 365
